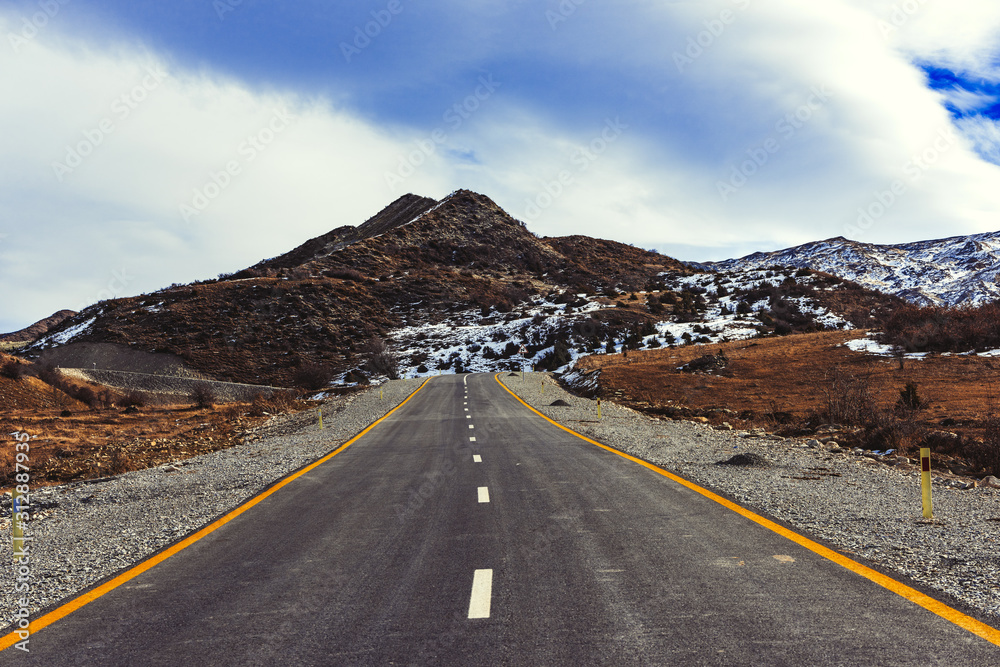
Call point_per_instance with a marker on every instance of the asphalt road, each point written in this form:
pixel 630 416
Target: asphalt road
pixel 388 554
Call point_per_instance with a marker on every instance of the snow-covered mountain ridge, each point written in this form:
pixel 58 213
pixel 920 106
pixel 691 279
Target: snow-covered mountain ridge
pixel 960 270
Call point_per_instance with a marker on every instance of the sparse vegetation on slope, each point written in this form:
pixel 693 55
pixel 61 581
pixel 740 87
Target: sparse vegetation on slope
pixel 936 329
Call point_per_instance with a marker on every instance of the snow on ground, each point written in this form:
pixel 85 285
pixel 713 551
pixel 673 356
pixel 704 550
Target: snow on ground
pixel 869 345
pixel 476 343
pixel 65 336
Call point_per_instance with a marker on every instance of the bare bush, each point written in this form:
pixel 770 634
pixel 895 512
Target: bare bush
pixel 274 402
pixel 132 398
pixel 381 360
pixel 985 455
pixel 202 395
pixel 850 399
pixel 936 329
pixel 120 463
pixel 344 274
pixel 12 369
pixel 313 376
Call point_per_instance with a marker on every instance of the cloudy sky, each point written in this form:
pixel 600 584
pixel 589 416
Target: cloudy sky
pixel 144 143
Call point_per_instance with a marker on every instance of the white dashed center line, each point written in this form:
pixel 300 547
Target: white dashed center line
pixel 472 438
pixel 482 591
pixel 468 416
pixel 484 494
pixel 476 458
pixel 471 426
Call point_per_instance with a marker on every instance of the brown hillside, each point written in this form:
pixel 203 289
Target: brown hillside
pixel 320 302
pixel 38 329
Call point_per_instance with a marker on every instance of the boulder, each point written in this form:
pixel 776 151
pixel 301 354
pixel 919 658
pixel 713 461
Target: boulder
pixel 990 482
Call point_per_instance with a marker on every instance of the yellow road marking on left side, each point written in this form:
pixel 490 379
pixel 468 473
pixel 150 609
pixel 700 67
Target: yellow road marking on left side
pixel 76 603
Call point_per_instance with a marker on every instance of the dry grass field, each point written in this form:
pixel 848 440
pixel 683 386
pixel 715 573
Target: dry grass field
pixel 792 374
pixel 75 442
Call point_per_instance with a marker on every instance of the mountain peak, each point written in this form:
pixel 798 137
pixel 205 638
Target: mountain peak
pixel 951 271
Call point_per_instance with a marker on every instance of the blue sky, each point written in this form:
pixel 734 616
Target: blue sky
pixel 217 133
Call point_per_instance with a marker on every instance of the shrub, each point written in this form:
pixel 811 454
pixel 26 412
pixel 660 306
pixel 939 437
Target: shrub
pixel 202 395
pixel 132 398
pixel 559 356
pixel 936 329
pixel 909 399
pixel 12 369
pixel 381 360
pixel 357 375
pixel 104 398
pixel 850 399
pixel 344 274
pixel 313 376
pixel 986 455
pixel 119 463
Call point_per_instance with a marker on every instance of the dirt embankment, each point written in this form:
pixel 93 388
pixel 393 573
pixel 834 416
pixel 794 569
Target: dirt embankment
pixel 112 357
pixel 169 386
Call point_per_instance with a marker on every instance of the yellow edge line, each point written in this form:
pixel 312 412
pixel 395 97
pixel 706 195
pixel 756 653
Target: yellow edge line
pixel 979 628
pixel 88 597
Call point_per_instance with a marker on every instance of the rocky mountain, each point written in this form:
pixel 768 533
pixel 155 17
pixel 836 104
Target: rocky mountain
pixel 450 285
pixel 949 272
pixel 38 329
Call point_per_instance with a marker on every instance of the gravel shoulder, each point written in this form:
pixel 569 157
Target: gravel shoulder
pixel 863 507
pixel 84 532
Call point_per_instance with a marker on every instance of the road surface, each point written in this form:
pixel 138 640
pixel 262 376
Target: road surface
pixel 464 529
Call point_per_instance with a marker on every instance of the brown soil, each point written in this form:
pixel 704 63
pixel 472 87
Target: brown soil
pixel 86 443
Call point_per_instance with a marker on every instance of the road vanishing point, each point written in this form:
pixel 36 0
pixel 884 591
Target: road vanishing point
pixel 466 529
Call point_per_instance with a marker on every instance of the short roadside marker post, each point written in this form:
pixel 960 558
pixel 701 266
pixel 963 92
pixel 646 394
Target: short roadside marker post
pixel 17 526
pixel 598 408
pixel 380 393
pixel 321 419
pixel 925 481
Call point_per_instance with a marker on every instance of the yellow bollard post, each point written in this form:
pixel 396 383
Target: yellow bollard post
pixel 380 393
pixel 17 527
pixel 925 481
pixel 321 419
pixel 598 408
pixel 543 386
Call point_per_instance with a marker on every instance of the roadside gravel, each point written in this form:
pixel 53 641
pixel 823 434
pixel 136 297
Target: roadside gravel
pixel 86 531
pixel 862 506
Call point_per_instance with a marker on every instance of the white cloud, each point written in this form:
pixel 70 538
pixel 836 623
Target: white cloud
pixel 985 134
pixel 117 208
pixel 655 185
